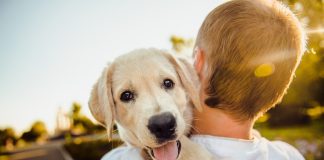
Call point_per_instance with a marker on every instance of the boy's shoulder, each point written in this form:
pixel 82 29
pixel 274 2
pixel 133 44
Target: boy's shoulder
pixel 258 148
pixel 280 147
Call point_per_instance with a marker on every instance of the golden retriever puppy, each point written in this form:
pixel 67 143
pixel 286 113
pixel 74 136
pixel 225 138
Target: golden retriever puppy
pixel 150 95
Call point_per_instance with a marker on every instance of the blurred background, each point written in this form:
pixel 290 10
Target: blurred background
pixel 52 52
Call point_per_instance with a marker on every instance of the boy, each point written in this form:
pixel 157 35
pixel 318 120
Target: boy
pixel 246 54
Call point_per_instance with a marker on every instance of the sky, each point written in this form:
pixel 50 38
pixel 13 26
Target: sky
pixel 52 52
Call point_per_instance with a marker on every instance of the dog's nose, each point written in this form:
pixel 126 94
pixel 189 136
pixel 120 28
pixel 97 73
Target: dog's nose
pixel 162 126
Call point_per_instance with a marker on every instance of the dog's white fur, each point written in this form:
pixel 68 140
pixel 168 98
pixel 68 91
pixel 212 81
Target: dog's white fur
pixel 143 71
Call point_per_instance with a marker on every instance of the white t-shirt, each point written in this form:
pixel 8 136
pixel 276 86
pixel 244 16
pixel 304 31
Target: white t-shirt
pixel 225 149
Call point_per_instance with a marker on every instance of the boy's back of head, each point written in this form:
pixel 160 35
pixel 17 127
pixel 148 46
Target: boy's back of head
pixel 252 49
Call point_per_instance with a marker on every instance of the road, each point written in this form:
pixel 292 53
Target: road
pixel 49 151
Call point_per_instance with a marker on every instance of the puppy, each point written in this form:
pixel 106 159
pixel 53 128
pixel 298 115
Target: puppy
pixel 150 95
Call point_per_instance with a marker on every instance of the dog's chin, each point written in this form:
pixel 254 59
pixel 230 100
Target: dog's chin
pixel 168 150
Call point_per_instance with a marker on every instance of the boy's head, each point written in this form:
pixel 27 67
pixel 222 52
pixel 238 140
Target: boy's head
pixel 248 51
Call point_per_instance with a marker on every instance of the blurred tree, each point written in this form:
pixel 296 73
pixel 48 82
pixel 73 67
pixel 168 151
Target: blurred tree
pixel 307 87
pixel 7 136
pixel 76 109
pixel 182 45
pixel 80 123
pixel 37 132
pixel 177 43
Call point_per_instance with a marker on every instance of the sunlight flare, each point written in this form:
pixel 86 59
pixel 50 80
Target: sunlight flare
pixel 264 70
pixel 315 31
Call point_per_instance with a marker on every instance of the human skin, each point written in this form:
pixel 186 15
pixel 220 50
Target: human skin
pixel 213 121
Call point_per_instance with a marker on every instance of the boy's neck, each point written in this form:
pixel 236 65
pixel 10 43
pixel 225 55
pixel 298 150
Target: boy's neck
pixel 215 122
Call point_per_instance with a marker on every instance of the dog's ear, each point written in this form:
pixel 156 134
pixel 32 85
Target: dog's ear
pixel 188 78
pixel 101 101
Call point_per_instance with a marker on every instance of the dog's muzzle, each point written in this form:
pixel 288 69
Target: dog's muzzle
pixel 163 127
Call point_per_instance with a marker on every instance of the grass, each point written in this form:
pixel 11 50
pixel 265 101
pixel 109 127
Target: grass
pixel 315 130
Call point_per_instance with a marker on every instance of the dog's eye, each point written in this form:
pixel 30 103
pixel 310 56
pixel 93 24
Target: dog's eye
pixel 126 96
pixel 168 84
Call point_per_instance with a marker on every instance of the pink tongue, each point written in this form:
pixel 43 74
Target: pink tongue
pixel 168 151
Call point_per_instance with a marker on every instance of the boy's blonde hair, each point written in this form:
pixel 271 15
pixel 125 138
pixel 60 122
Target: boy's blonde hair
pixel 252 49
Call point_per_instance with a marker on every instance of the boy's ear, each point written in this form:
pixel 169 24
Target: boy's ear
pixel 199 61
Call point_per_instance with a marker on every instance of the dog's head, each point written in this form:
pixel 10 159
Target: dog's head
pixel 147 93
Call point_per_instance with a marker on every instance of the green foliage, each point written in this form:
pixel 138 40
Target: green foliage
pixel 288 116
pixel 76 109
pixel 7 137
pixel 85 150
pixel 80 123
pixel 314 130
pixel 7 134
pixel 179 44
pixel 37 131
